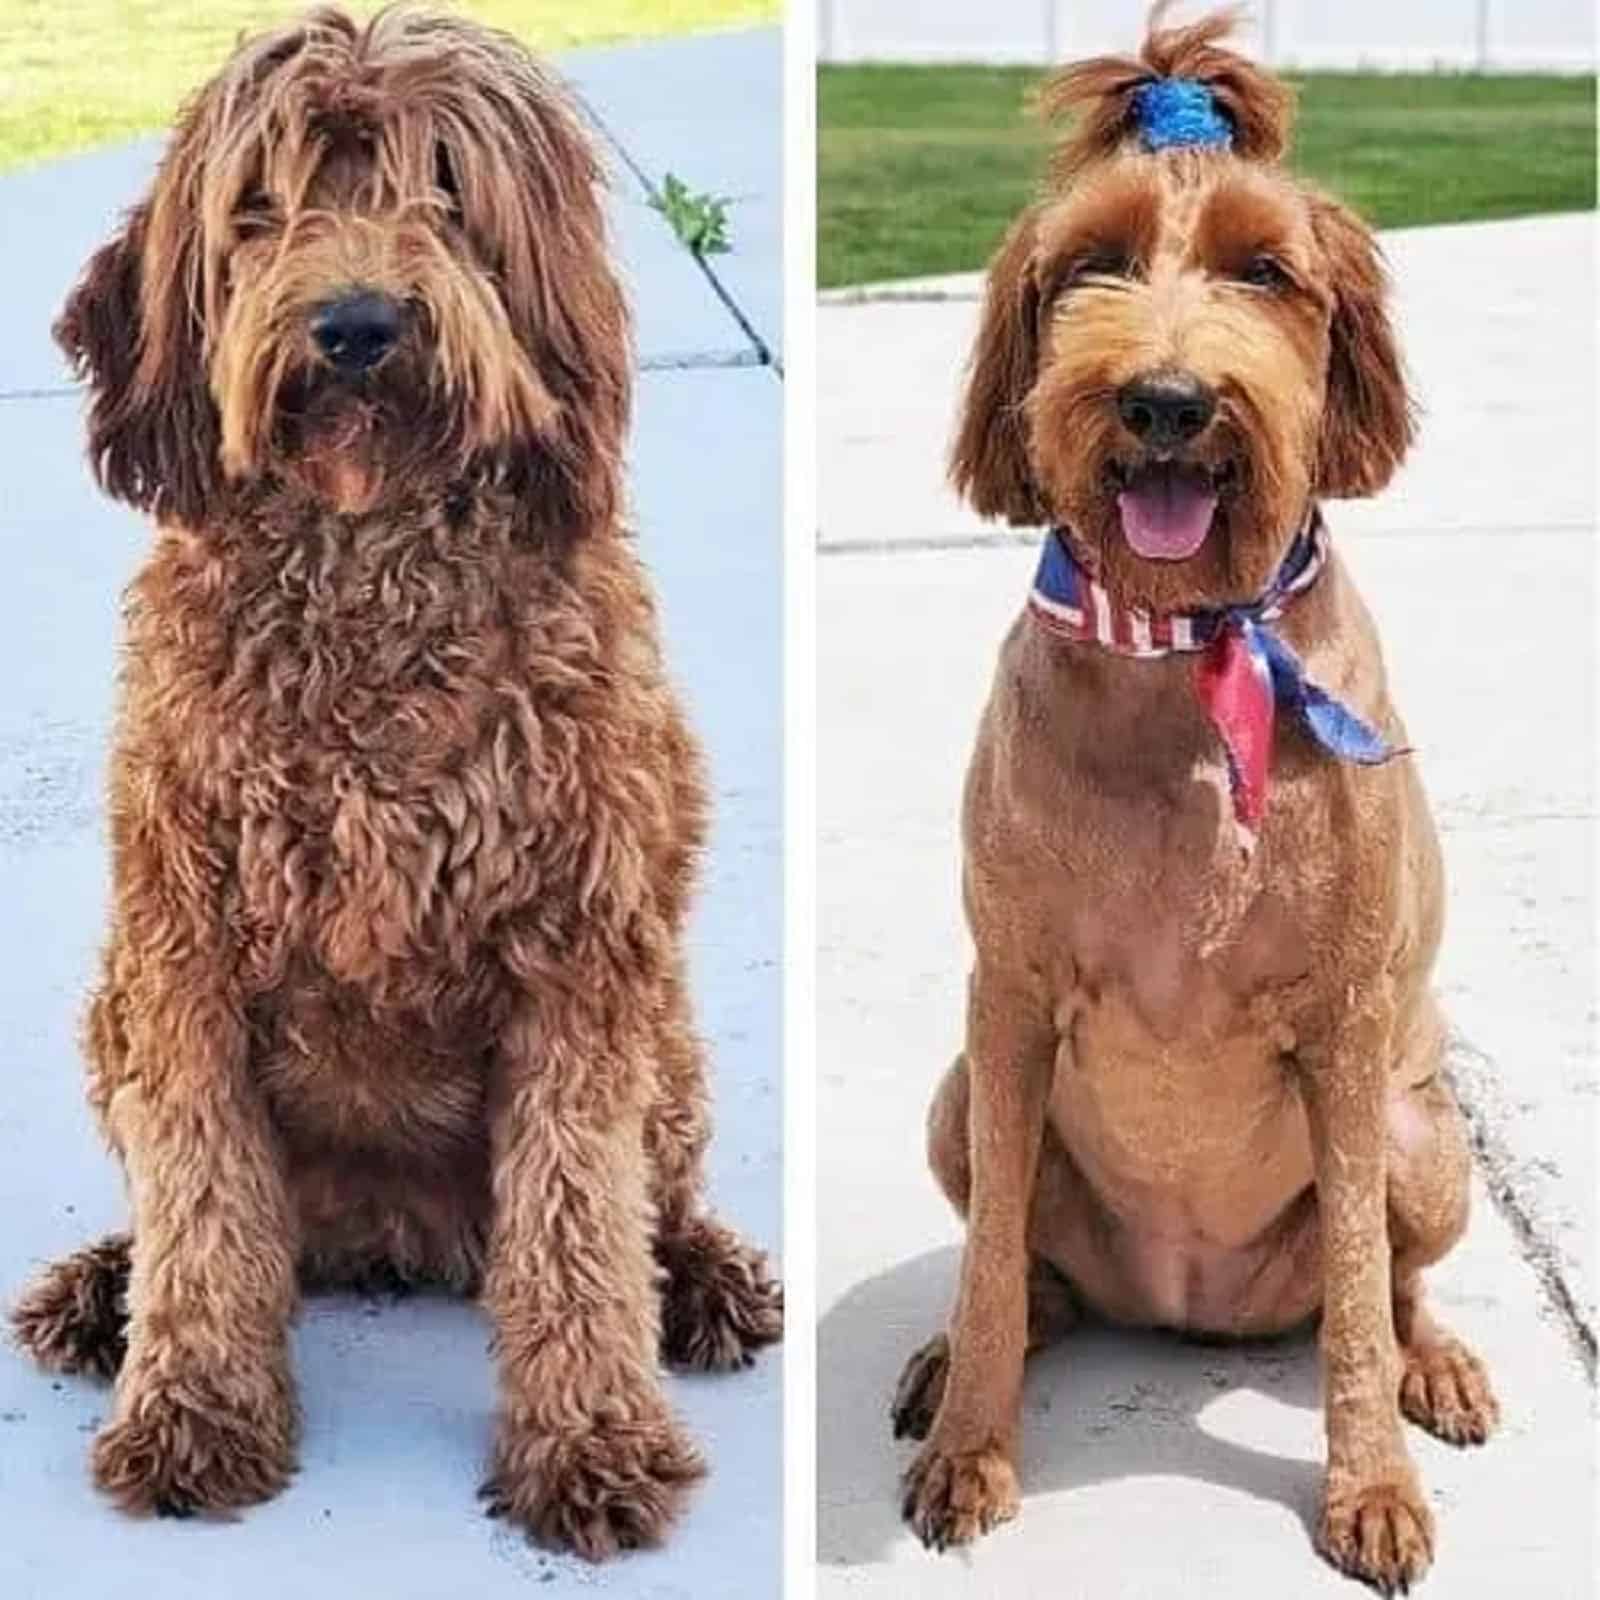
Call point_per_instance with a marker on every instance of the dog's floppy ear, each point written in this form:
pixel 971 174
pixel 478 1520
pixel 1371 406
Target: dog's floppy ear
pixel 577 329
pixel 530 187
pixel 1368 421
pixel 990 464
pixel 153 429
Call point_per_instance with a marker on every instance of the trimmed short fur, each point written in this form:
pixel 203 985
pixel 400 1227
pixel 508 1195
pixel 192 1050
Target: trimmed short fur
pixel 405 814
pixel 1199 1090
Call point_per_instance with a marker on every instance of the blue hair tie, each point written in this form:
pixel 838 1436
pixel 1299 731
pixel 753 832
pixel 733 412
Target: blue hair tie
pixel 1179 111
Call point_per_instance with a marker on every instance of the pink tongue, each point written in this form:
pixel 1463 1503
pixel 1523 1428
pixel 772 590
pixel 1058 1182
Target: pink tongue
pixel 1166 513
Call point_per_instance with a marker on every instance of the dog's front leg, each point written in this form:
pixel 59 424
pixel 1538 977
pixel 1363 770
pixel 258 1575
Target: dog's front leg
pixel 204 1416
pixel 1375 1522
pixel 588 1456
pixel 964 1480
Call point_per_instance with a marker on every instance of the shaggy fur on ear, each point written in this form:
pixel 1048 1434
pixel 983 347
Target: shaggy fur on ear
pixel 1368 421
pixel 989 462
pixel 153 429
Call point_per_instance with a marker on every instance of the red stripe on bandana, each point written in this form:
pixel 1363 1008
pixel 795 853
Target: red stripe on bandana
pixel 1234 684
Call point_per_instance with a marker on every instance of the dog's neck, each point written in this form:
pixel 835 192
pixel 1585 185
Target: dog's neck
pixel 1244 672
pixel 1067 599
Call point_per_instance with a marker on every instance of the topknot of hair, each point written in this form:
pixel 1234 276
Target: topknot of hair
pixel 1217 98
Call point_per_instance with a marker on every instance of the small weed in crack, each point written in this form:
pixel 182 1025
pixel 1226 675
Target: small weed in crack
pixel 700 220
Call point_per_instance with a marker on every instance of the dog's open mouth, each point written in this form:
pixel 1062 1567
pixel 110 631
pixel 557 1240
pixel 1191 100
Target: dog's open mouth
pixel 1167 506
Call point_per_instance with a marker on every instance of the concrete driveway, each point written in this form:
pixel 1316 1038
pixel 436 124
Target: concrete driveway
pixel 398 1396
pixel 1153 1469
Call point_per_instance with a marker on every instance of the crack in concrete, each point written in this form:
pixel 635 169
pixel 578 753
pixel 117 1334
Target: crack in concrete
pixel 898 297
pixel 764 356
pixel 702 361
pixel 1000 539
pixel 1499 1164
pixel 1497 824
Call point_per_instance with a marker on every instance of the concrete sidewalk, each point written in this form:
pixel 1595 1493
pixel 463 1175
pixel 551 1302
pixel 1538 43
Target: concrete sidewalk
pixel 398 1397
pixel 1153 1469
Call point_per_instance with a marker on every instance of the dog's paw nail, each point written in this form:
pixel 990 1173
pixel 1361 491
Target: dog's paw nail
pixel 1382 1534
pixel 956 1497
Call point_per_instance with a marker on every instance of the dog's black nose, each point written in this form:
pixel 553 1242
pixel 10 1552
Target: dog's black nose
pixel 1164 410
pixel 356 331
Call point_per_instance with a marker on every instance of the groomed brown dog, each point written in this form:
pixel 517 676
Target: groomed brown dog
pixel 1202 1084
pixel 404 812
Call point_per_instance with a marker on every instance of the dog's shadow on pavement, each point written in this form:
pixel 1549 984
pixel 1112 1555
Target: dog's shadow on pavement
pixel 1104 1404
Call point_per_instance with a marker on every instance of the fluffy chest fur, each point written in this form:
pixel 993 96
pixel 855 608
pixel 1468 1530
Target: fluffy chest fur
pixel 382 717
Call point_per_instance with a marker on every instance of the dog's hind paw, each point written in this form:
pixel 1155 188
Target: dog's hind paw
pixel 74 1317
pixel 1381 1533
pixel 618 1487
pixel 177 1455
pixel 1446 1390
pixel 921 1389
pixel 952 1498
pixel 719 1303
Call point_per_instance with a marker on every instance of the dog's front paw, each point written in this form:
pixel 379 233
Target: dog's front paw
pixel 719 1304
pixel 196 1451
pixel 1446 1390
pixel 954 1497
pixel 1381 1533
pixel 618 1486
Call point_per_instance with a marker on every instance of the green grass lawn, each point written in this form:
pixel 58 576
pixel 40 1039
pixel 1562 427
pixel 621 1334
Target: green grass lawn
pixel 920 169
pixel 78 73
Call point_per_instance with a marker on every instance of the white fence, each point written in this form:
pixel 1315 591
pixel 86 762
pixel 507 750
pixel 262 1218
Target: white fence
pixel 1483 35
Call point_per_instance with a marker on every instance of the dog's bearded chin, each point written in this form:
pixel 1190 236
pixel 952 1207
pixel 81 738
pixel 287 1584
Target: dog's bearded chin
pixel 348 478
pixel 1166 509
pixel 337 454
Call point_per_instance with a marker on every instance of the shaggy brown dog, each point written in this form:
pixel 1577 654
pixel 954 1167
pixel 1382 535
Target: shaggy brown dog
pixel 1202 1088
pixel 404 812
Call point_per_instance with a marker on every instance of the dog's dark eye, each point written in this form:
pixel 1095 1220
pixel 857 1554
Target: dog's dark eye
pixel 444 176
pixel 254 208
pixel 1263 272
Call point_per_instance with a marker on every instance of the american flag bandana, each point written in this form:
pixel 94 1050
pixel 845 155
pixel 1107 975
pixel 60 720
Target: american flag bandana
pixel 1245 673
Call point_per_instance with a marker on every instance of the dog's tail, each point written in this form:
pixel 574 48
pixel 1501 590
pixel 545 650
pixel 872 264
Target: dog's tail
pixel 1108 94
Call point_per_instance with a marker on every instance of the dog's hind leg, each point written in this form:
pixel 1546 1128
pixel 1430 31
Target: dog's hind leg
pixel 73 1318
pixel 1443 1385
pixel 719 1302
